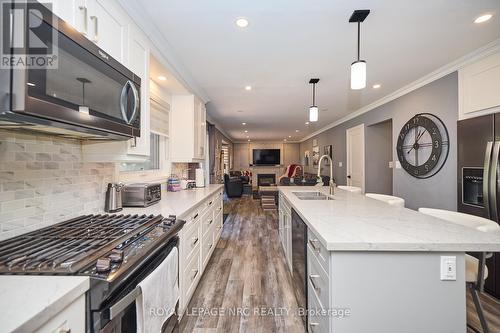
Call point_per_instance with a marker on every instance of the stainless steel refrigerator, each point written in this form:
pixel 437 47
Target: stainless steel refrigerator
pixel 479 178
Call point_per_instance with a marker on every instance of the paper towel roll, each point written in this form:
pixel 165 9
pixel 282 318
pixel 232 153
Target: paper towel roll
pixel 200 178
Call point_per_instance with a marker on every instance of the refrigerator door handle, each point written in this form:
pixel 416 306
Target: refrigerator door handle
pixel 494 173
pixel 486 178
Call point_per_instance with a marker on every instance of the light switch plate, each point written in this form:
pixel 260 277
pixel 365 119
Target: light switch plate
pixel 448 268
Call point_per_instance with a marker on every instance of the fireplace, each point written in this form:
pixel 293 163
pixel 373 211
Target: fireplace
pixel 266 179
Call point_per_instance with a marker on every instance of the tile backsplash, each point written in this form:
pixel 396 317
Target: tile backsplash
pixel 44 180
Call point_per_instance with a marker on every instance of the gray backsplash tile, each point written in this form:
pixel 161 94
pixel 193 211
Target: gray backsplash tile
pixel 45 180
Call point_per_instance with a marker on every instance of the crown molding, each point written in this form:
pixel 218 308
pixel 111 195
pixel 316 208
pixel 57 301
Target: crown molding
pixel 469 58
pixel 170 60
pixel 219 128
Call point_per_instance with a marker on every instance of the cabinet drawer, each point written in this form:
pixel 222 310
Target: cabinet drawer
pixel 218 205
pixel 318 320
pixel 191 240
pixel 71 319
pixel 318 250
pixel 207 221
pixel 191 275
pixel 318 278
pixel 209 203
pixel 218 227
pixel 207 246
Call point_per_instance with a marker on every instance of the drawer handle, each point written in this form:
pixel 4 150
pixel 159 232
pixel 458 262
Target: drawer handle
pixel 209 223
pixel 313 244
pixel 210 203
pixel 195 240
pixel 210 246
pixel 313 326
pixel 311 278
pixel 194 275
pixel 194 217
pixel 65 330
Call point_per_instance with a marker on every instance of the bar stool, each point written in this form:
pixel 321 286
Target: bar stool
pixel 476 271
pixel 352 189
pixel 391 200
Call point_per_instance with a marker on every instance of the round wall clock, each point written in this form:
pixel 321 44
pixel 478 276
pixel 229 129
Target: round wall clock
pixel 423 145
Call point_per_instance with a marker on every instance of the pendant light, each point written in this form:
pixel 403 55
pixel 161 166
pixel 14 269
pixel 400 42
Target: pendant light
pixel 313 109
pixel 358 68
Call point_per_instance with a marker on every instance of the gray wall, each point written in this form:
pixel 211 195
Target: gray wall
pixel 378 155
pixel 440 98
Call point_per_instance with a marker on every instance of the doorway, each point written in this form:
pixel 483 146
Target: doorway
pixel 355 139
pixel 379 158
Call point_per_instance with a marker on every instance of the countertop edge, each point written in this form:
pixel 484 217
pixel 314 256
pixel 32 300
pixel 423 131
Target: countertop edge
pixel 391 247
pixel 39 319
pixel 215 189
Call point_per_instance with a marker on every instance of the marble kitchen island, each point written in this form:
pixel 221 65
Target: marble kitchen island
pixel 379 265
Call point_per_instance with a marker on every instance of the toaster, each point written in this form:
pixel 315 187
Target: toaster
pixel 141 194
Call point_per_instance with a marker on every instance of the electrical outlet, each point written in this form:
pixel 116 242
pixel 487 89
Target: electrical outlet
pixel 448 268
pixel 340 164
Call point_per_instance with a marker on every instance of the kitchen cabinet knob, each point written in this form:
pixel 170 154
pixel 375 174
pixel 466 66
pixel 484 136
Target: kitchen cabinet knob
pixel 313 243
pixel 312 277
pixel 194 275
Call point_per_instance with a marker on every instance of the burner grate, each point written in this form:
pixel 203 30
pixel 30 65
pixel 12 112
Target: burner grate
pixel 71 245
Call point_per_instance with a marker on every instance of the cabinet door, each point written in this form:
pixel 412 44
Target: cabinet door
pixel 138 63
pixel 108 27
pixel 74 12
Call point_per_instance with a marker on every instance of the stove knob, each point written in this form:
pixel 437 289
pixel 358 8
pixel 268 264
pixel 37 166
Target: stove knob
pixel 116 256
pixel 103 265
pixel 148 198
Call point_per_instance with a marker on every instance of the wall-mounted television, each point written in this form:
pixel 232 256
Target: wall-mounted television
pixel 266 157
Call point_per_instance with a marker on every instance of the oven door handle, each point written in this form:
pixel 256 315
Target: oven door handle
pixel 122 304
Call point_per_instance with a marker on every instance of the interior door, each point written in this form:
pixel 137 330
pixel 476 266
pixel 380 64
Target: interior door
pixel 355 139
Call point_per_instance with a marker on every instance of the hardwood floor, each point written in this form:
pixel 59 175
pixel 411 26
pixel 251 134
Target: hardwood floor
pixel 248 271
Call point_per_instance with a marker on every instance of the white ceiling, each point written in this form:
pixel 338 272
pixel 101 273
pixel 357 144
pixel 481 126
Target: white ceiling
pixel 290 41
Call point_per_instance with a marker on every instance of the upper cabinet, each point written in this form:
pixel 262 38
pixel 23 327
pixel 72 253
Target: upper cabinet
pixel 189 129
pixel 478 87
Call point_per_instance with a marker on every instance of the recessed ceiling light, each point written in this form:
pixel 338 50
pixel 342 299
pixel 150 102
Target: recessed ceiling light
pixel 241 22
pixel 376 86
pixel 246 131
pixel 162 78
pixel 289 136
pixel 307 123
pixel 483 18
pixel 248 140
pixel 243 124
pixel 296 131
pixel 248 88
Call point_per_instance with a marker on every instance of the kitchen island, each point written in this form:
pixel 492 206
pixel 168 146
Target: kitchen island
pixel 373 267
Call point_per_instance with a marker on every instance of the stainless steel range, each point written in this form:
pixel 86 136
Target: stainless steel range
pixel 115 251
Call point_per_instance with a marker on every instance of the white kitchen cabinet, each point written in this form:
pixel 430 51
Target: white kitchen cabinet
pixel 478 87
pixel 71 319
pixel 108 25
pixel 285 229
pixel 188 136
pixel 198 240
pixel 73 12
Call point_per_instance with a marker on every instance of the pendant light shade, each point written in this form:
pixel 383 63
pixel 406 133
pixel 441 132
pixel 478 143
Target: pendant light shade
pixel 313 109
pixel 358 68
pixel 313 113
pixel 358 75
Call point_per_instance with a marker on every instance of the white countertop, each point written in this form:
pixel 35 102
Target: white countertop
pixel 176 203
pixel 27 302
pixel 353 222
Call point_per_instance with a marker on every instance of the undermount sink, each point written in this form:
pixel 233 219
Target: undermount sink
pixel 312 196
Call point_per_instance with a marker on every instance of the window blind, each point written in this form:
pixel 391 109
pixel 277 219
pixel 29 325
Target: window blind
pixel 160 118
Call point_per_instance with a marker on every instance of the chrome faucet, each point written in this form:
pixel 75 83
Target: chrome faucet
pixel 332 184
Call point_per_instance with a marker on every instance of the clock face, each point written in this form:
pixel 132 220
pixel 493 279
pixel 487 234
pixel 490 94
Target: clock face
pixel 423 145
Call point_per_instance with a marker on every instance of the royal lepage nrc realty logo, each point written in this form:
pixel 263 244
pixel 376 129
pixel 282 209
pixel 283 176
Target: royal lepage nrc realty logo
pixel 29 35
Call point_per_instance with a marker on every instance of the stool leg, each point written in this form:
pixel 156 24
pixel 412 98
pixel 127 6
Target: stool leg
pixel 479 308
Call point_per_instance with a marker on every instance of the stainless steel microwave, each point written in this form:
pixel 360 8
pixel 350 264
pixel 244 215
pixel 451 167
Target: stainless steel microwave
pixel 85 94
